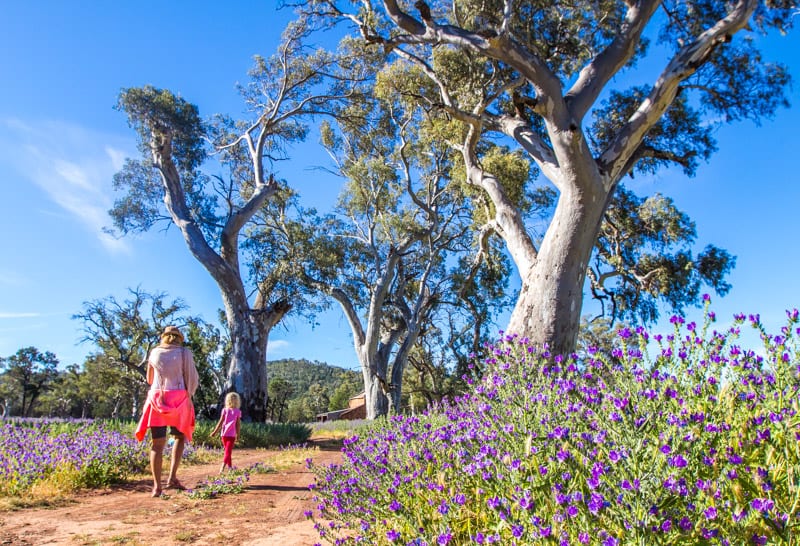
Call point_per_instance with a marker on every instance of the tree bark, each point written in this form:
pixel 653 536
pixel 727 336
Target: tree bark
pixel 376 400
pixel 549 305
pixel 247 372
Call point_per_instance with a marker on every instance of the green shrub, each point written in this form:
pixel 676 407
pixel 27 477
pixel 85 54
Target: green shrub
pixel 256 434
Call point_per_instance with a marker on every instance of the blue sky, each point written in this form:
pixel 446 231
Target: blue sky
pixel 61 142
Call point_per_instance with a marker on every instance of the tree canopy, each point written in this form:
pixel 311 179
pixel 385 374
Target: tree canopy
pixel 561 83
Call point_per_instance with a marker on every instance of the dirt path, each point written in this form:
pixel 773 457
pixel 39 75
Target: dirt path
pixel 269 513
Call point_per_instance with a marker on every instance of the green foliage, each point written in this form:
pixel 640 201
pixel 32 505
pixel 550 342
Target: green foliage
pixel 565 35
pixel 255 434
pixel 679 136
pixel 513 170
pixel 25 377
pixel 340 399
pixel 277 246
pixel 314 387
pixel 279 391
pixel 644 255
pixel 231 483
pixel 273 434
pixel 170 132
pixel 162 118
pixel 140 208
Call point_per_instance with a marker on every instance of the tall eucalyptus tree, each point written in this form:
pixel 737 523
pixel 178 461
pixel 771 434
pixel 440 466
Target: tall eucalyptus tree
pixel 396 236
pixel 215 212
pixel 559 81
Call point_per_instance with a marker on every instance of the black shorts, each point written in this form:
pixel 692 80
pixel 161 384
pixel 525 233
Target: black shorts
pixel 161 432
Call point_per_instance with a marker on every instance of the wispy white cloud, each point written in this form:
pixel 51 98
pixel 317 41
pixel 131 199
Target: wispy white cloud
pixel 117 157
pixel 74 166
pixel 4 315
pixel 278 345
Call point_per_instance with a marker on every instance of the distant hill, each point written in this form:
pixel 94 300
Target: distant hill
pixel 304 373
pixel 316 387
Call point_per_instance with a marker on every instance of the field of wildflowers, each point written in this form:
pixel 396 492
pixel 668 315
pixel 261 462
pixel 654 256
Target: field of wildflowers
pixel 62 455
pixel 682 439
pixel 66 454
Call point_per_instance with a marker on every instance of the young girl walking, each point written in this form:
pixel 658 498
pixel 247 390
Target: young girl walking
pixel 228 426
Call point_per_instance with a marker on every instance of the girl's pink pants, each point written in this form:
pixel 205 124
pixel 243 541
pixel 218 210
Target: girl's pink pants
pixel 227 444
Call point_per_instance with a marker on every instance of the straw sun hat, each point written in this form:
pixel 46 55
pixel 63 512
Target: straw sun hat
pixel 172 331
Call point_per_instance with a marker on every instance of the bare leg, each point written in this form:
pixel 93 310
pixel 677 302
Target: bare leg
pixel 156 458
pixel 175 461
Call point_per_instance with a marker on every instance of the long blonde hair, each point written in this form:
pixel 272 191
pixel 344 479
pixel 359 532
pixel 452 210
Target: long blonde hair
pixel 232 400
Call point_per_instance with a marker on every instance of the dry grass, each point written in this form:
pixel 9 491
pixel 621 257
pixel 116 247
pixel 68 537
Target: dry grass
pixel 282 460
pixel 10 504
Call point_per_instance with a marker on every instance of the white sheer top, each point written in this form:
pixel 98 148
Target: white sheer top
pixel 174 369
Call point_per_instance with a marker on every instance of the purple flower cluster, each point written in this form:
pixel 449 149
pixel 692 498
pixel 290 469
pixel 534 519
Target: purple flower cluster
pixel 700 444
pixel 232 484
pixel 32 451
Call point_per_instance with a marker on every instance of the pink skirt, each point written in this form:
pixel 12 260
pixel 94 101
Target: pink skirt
pixel 167 408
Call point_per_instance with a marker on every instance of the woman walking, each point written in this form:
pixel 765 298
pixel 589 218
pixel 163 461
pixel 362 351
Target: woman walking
pixel 173 379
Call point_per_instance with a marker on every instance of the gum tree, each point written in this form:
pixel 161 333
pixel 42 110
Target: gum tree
pixel 124 332
pixel 29 373
pixel 558 80
pixel 215 213
pixel 396 238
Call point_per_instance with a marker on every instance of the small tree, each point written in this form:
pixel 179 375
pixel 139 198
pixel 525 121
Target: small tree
pixel 340 399
pixel 125 332
pixel 28 374
pixel 280 390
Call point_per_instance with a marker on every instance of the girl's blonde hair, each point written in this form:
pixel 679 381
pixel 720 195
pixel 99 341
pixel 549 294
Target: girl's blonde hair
pixel 232 400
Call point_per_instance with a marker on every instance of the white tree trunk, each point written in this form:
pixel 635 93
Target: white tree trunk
pixel 376 400
pixel 549 306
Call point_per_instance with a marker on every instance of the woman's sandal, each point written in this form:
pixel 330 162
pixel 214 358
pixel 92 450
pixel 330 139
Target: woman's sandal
pixel 175 484
pixel 156 492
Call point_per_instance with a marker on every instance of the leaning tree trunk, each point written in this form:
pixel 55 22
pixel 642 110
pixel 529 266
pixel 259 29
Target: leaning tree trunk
pixel 548 309
pixel 399 364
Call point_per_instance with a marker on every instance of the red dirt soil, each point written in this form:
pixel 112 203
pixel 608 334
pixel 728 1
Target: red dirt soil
pixel 270 512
